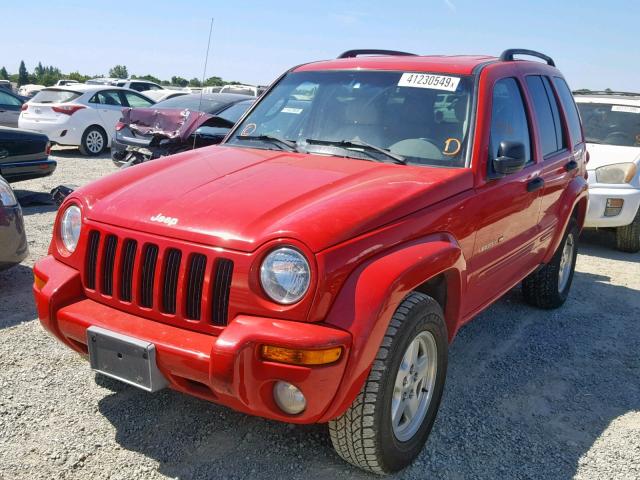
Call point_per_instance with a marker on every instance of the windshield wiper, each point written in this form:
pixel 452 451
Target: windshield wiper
pixel 592 140
pixel 346 144
pixel 292 146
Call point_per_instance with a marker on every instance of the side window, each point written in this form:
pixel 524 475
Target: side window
pixel 6 99
pixel 547 117
pixel 555 109
pixel 108 98
pixel 508 118
pixel 136 100
pixel 569 106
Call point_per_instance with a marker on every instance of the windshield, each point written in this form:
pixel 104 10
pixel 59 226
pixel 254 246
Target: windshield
pixel 611 124
pixel 420 118
pixel 54 96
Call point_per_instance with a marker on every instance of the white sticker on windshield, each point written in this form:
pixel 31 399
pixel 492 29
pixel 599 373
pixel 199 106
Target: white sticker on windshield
pixel 291 110
pixel 625 108
pixel 425 80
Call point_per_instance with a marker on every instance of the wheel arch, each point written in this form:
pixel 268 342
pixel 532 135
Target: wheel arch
pixel 573 207
pixel 434 265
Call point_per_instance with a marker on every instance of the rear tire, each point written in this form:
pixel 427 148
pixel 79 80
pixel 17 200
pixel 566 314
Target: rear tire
pixel 94 141
pixel 402 385
pixel 549 286
pixel 628 237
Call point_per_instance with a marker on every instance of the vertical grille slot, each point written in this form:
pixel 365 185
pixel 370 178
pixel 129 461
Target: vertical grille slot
pixel 108 261
pixel 126 275
pixel 221 289
pixel 195 279
pixel 149 258
pixel 170 280
pixel 92 260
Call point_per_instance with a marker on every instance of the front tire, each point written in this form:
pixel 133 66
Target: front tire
pixel 388 424
pixel 94 141
pixel 549 286
pixel 628 237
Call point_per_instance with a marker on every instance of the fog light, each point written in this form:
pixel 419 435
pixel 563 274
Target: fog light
pixel 289 398
pixel 614 206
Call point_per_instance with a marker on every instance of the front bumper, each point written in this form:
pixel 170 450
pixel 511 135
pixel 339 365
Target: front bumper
pixel 598 195
pixel 225 369
pixel 13 239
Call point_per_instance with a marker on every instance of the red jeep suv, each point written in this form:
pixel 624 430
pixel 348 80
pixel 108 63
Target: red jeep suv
pixel 314 267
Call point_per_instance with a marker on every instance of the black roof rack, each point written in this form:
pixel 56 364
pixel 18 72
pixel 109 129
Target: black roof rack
pixel 605 92
pixel 507 55
pixel 369 51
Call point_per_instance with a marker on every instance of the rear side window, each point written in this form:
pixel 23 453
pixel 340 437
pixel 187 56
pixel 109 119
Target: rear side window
pixel 508 117
pixel 54 96
pixel 107 98
pixel 573 118
pixel 547 115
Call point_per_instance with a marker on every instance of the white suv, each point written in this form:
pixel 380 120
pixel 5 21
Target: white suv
pixel 611 122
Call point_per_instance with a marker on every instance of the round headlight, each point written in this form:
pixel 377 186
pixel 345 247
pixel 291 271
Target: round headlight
pixel 285 275
pixel 70 225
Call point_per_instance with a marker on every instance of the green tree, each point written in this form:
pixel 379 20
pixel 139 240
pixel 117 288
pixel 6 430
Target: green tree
pixel 78 77
pixel 23 74
pixel 149 78
pixel 179 81
pixel 194 82
pixel 119 71
pixel 4 74
pixel 214 82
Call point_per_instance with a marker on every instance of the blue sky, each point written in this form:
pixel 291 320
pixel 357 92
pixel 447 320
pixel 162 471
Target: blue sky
pixel 593 43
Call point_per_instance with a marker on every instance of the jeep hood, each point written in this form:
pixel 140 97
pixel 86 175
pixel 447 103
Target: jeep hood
pixel 239 198
pixel 601 155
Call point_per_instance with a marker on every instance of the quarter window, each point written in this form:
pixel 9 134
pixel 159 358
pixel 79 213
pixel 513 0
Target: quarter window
pixel 573 118
pixel 508 118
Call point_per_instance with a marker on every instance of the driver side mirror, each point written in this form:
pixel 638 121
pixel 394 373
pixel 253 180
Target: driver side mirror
pixel 511 158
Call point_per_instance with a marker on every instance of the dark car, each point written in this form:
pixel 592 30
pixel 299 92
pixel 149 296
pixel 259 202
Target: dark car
pixel 24 155
pixel 13 240
pixel 175 125
pixel 10 105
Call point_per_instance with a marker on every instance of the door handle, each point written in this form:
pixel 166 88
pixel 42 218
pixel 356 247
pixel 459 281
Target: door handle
pixel 571 165
pixel 535 184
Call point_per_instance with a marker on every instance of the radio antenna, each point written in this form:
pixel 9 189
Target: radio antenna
pixel 204 75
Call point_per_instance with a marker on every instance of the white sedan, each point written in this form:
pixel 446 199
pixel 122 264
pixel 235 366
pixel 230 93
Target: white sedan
pixel 82 115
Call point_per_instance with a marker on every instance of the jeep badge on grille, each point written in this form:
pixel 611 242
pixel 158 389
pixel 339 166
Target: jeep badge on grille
pixel 170 221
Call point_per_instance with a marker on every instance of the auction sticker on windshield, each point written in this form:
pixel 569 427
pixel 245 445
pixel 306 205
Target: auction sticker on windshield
pixel 625 108
pixel 425 80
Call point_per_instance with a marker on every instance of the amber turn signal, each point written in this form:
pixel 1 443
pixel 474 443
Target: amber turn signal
pixel 301 357
pixel 39 282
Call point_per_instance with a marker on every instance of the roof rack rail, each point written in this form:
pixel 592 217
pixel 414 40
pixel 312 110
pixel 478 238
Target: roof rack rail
pixel 369 51
pixel 605 92
pixel 507 55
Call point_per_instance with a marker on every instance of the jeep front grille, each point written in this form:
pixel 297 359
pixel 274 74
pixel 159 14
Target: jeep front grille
pixel 152 279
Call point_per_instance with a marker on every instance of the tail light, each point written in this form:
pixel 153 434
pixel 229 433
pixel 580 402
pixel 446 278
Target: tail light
pixel 120 126
pixel 67 109
pixel 24 107
pixel 47 150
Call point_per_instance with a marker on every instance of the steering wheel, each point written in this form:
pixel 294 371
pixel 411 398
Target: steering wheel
pixel 418 147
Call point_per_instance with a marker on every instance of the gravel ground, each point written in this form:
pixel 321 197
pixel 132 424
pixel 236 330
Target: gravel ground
pixel 529 394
